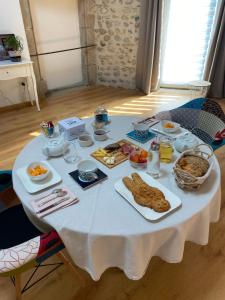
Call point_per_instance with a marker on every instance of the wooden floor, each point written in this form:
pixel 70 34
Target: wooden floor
pixel 201 274
pixel 19 126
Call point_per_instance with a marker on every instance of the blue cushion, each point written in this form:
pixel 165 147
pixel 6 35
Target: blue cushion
pixel 195 103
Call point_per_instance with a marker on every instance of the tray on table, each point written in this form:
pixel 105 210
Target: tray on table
pixel 120 157
pixel 147 213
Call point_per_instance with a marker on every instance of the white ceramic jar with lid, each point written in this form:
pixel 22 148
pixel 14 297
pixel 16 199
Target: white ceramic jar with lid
pixel 185 142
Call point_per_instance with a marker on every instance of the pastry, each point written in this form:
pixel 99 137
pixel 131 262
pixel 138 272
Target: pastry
pixel 146 195
pixel 195 165
pixel 140 199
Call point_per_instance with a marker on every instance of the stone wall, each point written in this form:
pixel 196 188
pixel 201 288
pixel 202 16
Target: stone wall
pixel 116 37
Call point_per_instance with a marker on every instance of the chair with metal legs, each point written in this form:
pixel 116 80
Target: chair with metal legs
pixel 23 246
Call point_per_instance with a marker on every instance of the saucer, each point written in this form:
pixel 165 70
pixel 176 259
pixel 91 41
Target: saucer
pixel 36 186
pixel 85 185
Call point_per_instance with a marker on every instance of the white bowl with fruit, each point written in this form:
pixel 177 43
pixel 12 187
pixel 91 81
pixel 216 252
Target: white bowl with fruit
pixel 169 126
pixel 38 171
pixel 138 158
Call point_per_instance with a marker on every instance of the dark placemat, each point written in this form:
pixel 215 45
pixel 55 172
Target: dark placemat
pixel 85 185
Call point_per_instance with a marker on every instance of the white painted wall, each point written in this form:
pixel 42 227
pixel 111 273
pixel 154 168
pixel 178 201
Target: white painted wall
pixel 11 21
pixel 56 27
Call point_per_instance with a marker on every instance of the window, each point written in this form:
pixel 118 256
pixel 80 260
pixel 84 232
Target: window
pixel 186 36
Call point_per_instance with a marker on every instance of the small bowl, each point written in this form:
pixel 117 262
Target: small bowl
pixel 100 135
pixel 38 177
pixel 138 165
pixel 172 129
pixel 85 140
pixel 87 170
pixel 138 158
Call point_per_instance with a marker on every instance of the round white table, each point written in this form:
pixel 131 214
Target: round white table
pixel 103 230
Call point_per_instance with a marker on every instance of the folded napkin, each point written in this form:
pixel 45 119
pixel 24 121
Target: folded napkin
pixel 50 202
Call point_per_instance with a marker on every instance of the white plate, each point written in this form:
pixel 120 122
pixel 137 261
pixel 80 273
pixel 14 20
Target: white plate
pixel 159 129
pixel 146 212
pixel 36 186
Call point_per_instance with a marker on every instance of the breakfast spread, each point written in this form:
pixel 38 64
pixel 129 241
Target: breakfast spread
pixel 115 153
pixel 146 195
pixel 194 165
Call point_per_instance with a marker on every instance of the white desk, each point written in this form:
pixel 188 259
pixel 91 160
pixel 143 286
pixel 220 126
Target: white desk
pixel 11 70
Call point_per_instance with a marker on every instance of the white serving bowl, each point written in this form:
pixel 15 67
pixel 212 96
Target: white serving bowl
pixel 38 177
pixel 100 135
pixel 169 130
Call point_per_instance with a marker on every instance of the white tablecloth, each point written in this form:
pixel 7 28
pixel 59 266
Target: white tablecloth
pixel 103 230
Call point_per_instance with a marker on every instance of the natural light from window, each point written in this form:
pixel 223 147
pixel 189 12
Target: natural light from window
pixel 187 29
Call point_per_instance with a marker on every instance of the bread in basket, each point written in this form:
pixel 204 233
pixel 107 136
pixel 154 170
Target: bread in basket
pixel 193 167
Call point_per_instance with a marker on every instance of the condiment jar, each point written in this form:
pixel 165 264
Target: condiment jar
pixel 101 115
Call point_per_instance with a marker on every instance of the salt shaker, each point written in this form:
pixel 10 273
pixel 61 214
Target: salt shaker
pixel 153 166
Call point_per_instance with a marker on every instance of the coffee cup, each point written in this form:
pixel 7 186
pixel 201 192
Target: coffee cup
pixel 85 140
pixel 87 170
pixel 100 135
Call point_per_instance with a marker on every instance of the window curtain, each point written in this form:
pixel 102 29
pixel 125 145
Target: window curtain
pixel 148 57
pixel 215 66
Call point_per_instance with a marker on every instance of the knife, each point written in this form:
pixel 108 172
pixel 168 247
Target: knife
pixel 53 205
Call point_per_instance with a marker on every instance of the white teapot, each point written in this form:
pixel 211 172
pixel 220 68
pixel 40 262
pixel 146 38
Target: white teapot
pixel 55 146
pixel 185 142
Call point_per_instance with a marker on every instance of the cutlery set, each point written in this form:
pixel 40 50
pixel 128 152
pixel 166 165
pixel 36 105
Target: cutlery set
pixel 53 200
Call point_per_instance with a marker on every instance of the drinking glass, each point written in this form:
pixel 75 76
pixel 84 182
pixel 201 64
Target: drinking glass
pixel 165 149
pixel 70 153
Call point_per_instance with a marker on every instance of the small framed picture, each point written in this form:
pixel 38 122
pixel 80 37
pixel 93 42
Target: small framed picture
pixel 3 49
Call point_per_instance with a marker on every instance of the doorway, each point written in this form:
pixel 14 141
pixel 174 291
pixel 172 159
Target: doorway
pixel 57 36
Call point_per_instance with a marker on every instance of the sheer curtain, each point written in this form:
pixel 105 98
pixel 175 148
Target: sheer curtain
pixel 148 58
pixel 187 29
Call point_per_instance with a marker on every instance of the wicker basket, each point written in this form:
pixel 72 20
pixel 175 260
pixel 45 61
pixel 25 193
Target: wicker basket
pixel 186 180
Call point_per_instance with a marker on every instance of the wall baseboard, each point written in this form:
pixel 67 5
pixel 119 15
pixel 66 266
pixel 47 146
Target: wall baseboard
pixel 18 106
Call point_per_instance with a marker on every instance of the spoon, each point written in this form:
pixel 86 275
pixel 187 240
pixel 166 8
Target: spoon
pixel 58 195
pixel 55 191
